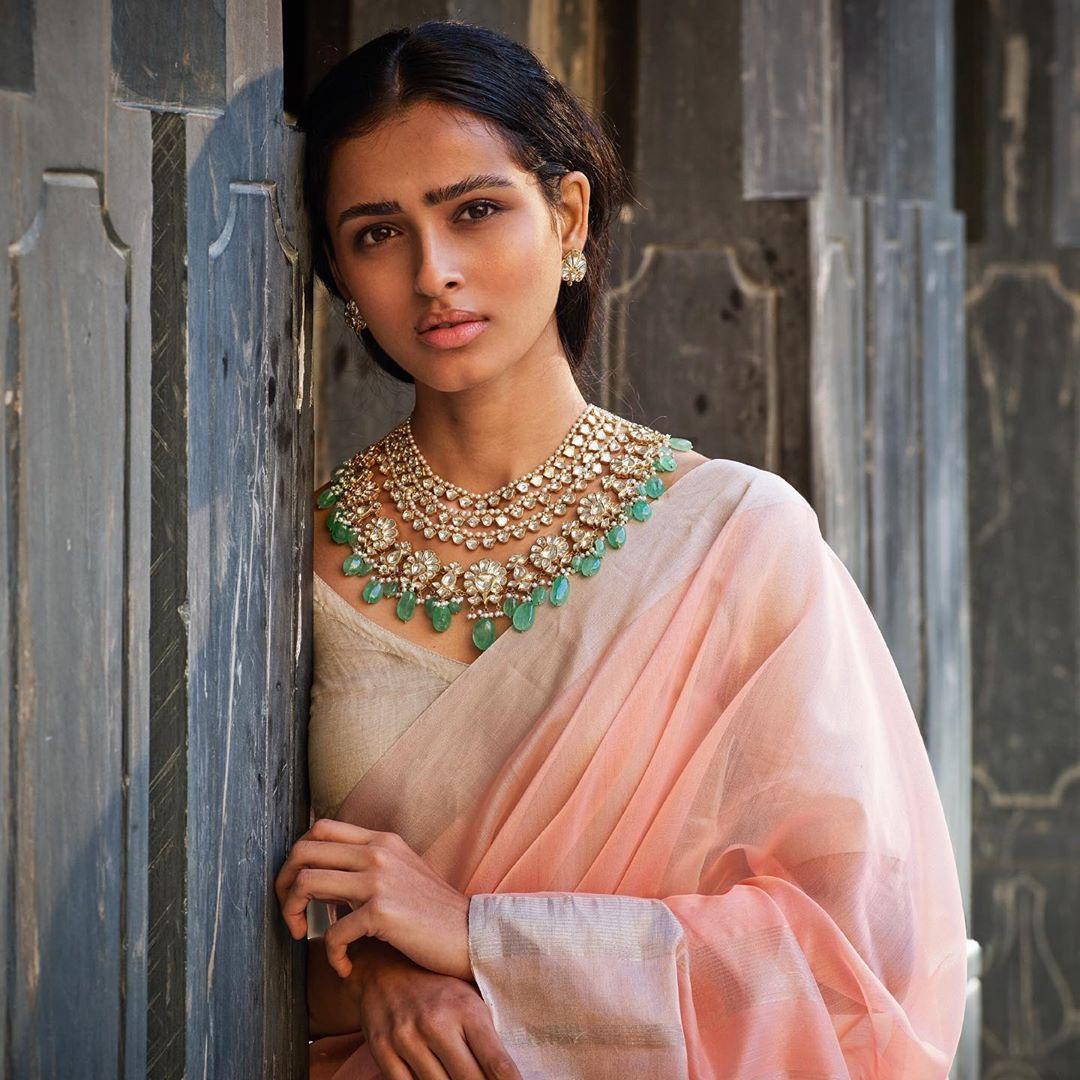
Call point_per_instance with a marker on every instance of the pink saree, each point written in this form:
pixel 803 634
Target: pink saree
pixel 693 813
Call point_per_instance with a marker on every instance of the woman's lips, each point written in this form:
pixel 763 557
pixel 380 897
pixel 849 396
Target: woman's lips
pixel 453 337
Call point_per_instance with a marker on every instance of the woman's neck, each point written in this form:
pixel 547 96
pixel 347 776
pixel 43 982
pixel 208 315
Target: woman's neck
pixel 489 435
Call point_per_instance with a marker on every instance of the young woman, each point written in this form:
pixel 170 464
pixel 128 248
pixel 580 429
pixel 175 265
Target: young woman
pixel 613 771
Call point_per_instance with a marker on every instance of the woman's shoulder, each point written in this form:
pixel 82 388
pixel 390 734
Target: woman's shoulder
pixel 750 487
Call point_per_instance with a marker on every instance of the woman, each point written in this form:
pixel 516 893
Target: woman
pixel 680 822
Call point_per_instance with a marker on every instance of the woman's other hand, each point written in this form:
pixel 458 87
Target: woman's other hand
pixel 429 1026
pixel 394 895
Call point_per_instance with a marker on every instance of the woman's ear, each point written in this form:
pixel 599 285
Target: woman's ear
pixel 574 209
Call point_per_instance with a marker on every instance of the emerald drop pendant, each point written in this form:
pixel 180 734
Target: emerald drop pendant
pixel 560 588
pixel 616 536
pixel 523 615
pixel 539 595
pixel 654 487
pixel 406 605
pixel 327 497
pixel 589 565
pixel 372 590
pixel 441 616
pixel 356 564
pixel 483 633
pixel 677 443
pixel 341 533
pixel 640 510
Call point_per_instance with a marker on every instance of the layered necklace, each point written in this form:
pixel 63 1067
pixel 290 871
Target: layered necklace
pixel 630 460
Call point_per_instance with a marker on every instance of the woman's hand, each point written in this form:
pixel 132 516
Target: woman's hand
pixel 394 894
pixel 419 1024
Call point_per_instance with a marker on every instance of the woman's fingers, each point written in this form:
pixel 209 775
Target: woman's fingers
pixel 454 1053
pixel 325 855
pixel 310 884
pixel 386 1057
pixel 349 928
pixel 416 1053
pixel 487 1048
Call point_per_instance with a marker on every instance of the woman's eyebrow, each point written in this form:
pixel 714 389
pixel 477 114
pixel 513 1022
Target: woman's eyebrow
pixel 431 198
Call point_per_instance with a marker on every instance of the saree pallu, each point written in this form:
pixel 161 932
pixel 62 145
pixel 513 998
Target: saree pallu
pixel 693 813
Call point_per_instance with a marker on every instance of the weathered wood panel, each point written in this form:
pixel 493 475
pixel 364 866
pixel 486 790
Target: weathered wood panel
pixel 782 117
pixel 708 327
pixel 100 394
pixel 17 45
pixel 74 730
pixel 1065 145
pixel 249 484
pixel 74 555
pixel 170 56
pixel 1019 134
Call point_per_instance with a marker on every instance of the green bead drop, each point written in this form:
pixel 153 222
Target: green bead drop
pixel 372 590
pixel 406 605
pixel 508 606
pixel 429 604
pixel 390 588
pixel 441 617
pixel 483 633
pixel 590 565
pixel 641 510
pixel 455 606
pixel 327 497
pixel 654 487
pixel 341 533
pixel 616 536
pixel 575 562
pixel 599 546
pixel 665 463
pixel 560 587
pixel 539 595
pixel 524 614
pixel 355 564
pixel 677 443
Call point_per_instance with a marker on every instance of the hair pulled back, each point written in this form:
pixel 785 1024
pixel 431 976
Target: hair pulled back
pixel 546 129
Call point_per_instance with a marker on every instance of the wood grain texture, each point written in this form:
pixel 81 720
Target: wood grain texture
pixel 74 559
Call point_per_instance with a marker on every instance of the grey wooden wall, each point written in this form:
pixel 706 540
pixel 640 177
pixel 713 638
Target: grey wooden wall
pixel 156 474
pixel 1019 185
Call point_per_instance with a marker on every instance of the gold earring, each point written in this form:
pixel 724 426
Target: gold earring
pixel 573 266
pixel 354 318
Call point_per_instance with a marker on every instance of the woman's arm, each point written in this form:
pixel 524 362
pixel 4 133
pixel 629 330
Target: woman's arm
pixel 333 1002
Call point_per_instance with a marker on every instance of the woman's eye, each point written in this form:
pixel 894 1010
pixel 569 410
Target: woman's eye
pixel 479 206
pixel 369 237
pixel 362 236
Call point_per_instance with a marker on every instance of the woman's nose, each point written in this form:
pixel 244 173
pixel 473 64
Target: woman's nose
pixel 438 268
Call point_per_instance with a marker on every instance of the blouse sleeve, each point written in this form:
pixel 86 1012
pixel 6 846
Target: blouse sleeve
pixel 824 935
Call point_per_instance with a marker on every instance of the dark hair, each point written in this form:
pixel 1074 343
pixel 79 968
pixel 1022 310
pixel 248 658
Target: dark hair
pixel 546 129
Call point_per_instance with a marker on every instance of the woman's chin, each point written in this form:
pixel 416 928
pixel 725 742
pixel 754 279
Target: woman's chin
pixel 455 369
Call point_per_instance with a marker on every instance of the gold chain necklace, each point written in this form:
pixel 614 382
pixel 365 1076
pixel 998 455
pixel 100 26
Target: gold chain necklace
pixel 629 458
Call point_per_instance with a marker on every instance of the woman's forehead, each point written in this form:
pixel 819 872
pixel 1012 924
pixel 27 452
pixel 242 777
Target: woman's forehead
pixel 425 148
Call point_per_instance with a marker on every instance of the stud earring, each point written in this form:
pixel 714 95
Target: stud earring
pixel 573 266
pixel 354 318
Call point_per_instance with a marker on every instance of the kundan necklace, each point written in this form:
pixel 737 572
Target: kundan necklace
pixel 629 458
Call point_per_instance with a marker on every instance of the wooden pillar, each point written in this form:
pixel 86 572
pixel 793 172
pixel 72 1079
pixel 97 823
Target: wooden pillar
pixel 1019 185
pixel 156 477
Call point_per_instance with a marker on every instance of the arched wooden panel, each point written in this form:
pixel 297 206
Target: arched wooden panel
pixel 77 845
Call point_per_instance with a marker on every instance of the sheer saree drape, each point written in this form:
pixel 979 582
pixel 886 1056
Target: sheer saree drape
pixel 694 815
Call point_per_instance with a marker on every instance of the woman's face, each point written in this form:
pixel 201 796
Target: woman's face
pixel 494 249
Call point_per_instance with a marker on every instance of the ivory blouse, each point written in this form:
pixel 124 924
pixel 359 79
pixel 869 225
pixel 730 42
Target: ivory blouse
pixel 368 684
